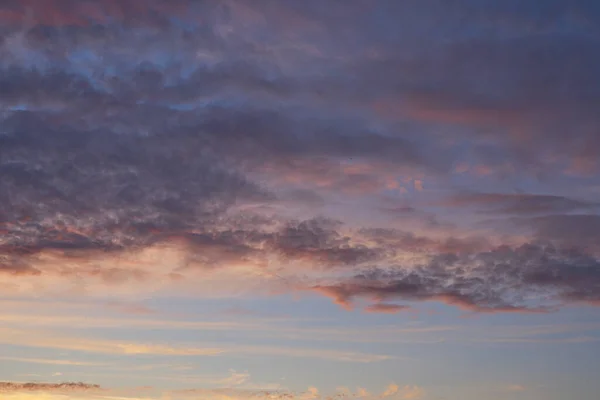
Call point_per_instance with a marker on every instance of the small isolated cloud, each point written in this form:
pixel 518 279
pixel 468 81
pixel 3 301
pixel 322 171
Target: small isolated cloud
pixel 391 390
pixel 311 393
pixel 411 392
pixel 407 392
pixel 235 379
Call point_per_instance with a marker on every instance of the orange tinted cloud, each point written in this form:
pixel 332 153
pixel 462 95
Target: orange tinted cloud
pixel 49 339
pixel 384 308
pixel 354 178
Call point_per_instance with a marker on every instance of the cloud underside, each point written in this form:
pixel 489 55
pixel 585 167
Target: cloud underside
pixel 207 151
pixel 382 267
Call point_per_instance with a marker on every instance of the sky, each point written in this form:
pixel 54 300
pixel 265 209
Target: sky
pixel 299 199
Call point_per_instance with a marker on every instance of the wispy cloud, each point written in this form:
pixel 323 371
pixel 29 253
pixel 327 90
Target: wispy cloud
pixel 56 340
pixel 53 361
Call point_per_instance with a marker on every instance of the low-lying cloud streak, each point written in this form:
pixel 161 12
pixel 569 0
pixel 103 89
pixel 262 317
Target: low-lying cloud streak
pixel 238 390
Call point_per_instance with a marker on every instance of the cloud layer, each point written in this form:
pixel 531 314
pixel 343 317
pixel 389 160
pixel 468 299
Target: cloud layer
pixel 48 390
pixel 387 152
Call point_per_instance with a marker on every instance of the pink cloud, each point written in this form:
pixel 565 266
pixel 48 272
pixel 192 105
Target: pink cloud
pixel 384 308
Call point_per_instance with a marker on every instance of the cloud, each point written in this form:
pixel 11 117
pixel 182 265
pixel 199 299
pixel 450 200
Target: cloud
pixel 392 389
pixel 405 393
pixel 580 230
pixel 515 116
pixel 276 328
pixel 576 339
pixel 396 240
pixel 235 379
pixel 412 392
pixel 384 308
pixel 318 241
pixel 318 91
pixel 529 278
pixel 113 192
pixel 379 264
pixel 55 340
pixel 60 12
pixel 11 336
pixel 518 203
pixel 380 154
pixel 51 362
pixel 208 147
pixel 8 387
pixel 516 388
pixel 52 391
pixel 225 251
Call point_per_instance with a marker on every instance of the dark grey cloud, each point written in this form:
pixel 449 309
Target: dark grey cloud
pixel 409 242
pixel 8 387
pixel 577 230
pixel 528 278
pixel 319 242
pixel 68 189
pixel 278 137
pixel 518 203
pixel 510 67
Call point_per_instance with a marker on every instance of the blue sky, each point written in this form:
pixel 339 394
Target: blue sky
pixel 356 199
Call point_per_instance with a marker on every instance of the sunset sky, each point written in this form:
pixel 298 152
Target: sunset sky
pixel 299 199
